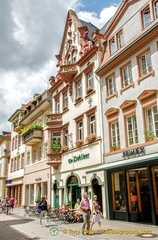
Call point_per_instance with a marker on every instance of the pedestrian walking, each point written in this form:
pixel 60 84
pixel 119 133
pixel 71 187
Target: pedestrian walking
pixel 85 207
pixel 11 202
pixel 96 212
pixel 43 209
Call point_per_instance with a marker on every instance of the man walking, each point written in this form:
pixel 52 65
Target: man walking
pixel 85 207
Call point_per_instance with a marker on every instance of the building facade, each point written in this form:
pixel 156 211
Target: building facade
pixel 5 139
pixel 28 171
pixel 75 121
pixel 129 86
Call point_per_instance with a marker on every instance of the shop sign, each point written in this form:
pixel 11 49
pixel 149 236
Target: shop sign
pixel 134 152
pixel 80 157
pixel 8 181
pixel 56 146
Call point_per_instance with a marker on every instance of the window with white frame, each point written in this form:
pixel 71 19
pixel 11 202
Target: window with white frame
pixel 65 138
pixel 34 156
pixel 115 135
pixel 127 75
pixel 56 136
pixel 145 63
pixel 80 130
pixel 28 158
pixel 90 80
pixel 79 88
pixel 152 121
pixel 132 130
pixel 111 85
pixel 112 46
pixel 18 162
pixel 65 99
pixel 156 9
pixel 57 105
pixel 22 161
pixel 12 165
pixel 146 17
pixel 92 124
pixel 15 164
pixel 39 153
pixel 45 150
pixel 120 40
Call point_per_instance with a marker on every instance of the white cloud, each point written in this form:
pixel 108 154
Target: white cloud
pixel 104 16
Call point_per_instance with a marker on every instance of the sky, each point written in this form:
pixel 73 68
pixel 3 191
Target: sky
pixel 30 37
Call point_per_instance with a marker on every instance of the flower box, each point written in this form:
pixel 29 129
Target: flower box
pixel 65 108
pixel 64 148
pixel 91 137
pixel 78 98
pixel 79 142
pixel 89 89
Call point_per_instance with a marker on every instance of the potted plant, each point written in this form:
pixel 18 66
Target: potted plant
pixel 65 108
pixel 89 89
pixel 91 137
pixel 148 135
pixel 79 142
pixel 78 98
pixel 64 148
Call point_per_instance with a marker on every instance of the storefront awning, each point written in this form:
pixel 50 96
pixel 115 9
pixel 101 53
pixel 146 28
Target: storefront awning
pixel 121 163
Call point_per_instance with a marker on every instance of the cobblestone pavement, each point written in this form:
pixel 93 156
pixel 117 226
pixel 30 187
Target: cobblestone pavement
pixel 111 230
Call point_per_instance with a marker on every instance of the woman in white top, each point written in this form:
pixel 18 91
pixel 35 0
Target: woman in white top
pixel 96 212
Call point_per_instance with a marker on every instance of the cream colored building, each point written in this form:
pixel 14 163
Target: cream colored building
pixel 5 139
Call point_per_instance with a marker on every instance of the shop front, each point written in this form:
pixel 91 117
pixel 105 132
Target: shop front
pixel 14 188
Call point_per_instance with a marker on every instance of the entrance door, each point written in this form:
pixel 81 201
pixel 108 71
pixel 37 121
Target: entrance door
pixel 97 191
pixel 145 197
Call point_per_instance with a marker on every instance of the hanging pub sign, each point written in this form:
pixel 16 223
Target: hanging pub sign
pixel 56 146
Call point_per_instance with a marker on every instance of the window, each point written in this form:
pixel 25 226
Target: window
pixel 18 162
pixel 146 17
pixel 80 130
pixel 65 138
pixel 120 40
pixel 115 135
pixel 119 199
pixel 40 153
pixel 12 165
pixel 132 130
pixel 65 99
pixel 111 85
pixel 74 56
pixel 28 158
pixel 34 156
pixel 145 63
pixel 127 75
pixel 79 88
pixel 156 9
pixel 57 105
pixel 92 124
pixel 90 79
pixel 56 136
pixel 112 46
pixel 45 150
pixel 22 161
pixel 152 121
pixel 15 164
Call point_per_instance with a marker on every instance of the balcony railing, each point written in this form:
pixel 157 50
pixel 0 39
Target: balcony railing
pixel 33 137
pixel 54 120
pixel 54 160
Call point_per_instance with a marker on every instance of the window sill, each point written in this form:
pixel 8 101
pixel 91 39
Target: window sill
pixel 126 87
pixel 90 93
pixel 78 101
pixel 111 96
pixel 152 73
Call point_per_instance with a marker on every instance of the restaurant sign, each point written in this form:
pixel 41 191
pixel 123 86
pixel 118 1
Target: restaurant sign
pixel 134 152
pixel 56 146
pixel 80 157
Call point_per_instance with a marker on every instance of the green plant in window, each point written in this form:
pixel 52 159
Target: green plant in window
pixel 148 135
